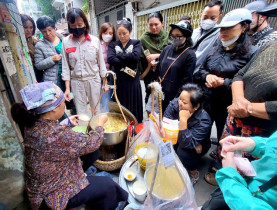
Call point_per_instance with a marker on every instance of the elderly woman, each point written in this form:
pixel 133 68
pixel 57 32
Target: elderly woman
pixel 194 127
pixel 232 53
pixel 29 30
pixel 123 56
pixel 176 62
pixel 54 175
pixel 83 63
pixel 153 42
pixel 48 50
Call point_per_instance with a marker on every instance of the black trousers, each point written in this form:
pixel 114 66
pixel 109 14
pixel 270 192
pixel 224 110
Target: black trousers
pixel 218 113
pixel 216 202
pixel 89 159
pixel 190 158
pixel 101 194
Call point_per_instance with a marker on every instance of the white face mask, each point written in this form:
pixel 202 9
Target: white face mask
pixel 230 42
pixel 207 24
pixel 253 24
pixel 107 37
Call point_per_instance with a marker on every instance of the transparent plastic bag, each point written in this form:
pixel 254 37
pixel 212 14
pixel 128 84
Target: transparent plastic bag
pixel 169 187
pixel 141 137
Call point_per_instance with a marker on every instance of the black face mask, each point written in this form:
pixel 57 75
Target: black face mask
pixel 77 31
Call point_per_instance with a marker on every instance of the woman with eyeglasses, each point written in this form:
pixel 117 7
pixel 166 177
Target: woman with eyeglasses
pixel 153 42
pixel 123 56
pixel 176 62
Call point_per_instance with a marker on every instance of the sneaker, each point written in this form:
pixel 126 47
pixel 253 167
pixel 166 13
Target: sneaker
pixel 194 180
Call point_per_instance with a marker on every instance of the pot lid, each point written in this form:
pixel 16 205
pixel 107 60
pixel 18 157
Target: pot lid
pixel 113 107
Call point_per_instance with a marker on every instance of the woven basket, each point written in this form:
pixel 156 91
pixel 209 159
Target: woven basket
pixel 109 165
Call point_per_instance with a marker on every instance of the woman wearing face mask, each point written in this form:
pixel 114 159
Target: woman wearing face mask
pixel 83 63
pixel 123 56
pixel 154 40
pixel 176 62
pixel 233 52
pixel 106 35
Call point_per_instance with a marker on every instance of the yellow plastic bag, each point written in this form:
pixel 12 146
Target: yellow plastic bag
pixel 171 128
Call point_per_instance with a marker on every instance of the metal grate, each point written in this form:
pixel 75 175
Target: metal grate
pixel 101 5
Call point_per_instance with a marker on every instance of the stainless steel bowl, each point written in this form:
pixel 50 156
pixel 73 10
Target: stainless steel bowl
pixel 111 138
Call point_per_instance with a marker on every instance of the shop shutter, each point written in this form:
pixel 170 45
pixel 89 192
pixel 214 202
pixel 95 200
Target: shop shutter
pixel 173 15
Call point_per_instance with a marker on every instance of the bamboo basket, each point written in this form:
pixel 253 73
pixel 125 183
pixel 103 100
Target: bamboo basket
pixel 109 165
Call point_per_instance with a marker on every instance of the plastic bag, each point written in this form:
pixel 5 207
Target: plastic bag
pixel 141 137
pixel 171 130
pixel 171 186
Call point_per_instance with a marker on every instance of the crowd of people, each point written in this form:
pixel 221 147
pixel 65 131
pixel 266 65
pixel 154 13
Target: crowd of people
pixel 222 72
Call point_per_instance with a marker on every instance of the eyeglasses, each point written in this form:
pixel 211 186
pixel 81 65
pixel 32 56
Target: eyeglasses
pixel 175 37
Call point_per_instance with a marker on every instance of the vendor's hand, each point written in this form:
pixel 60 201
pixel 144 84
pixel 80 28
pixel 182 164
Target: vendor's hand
pixel 240 108
pixel 67 95
pixel 214 81
pixel 184 114
pixel 244 144
pixel 102 119
pixel 229 160
pixel 56 58
pixel 198 148
pixel 74 120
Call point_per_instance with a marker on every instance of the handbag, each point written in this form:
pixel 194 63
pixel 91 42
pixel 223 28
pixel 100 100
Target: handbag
pixel 162 79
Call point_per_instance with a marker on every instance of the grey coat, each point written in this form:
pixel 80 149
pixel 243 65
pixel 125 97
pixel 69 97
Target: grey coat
pixel 204 47
pixel 44 50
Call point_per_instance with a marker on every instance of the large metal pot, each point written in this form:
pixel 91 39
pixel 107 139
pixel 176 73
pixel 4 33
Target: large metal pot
pixel 112 138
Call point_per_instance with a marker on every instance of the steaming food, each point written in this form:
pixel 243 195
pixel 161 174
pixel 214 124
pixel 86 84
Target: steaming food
pixel 114 123
pixel 168 183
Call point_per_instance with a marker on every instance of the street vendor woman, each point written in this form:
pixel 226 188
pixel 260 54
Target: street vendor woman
pixel 54 177
pixel 194 127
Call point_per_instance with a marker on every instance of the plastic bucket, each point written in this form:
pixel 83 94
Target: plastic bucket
pixel 139 127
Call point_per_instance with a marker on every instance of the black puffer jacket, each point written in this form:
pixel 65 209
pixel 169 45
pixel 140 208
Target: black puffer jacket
pixel 222 63
pixel 198 130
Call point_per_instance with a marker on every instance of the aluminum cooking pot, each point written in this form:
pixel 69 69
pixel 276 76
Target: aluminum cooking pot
pixel 111 138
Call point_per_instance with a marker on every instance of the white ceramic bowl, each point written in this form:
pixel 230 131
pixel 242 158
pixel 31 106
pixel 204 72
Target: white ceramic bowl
pixel 130 174
pixel 140 190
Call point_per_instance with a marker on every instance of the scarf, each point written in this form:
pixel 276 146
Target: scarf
pixel 155 43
